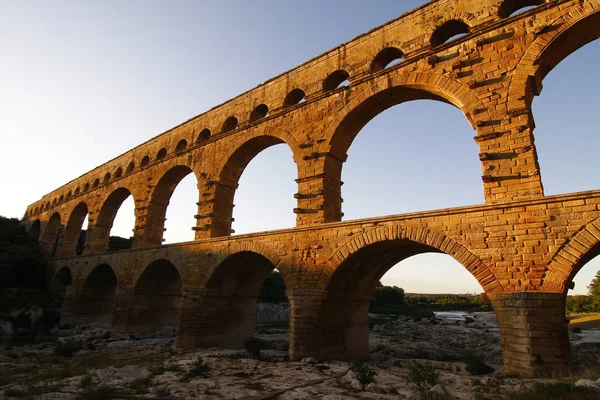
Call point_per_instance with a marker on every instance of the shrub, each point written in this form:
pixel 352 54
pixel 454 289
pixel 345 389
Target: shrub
pixel 197 369
pixel 363 372
pixel 67 348
pixel 476 366
pixel 423 376
pixel 86 382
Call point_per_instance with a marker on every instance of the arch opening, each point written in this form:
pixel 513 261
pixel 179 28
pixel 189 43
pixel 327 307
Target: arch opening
pixel 145 161
pixel 130 167
pixel 118 173
pixel 259 112
pixel 96 298
pixel 156 299
pixel 181 213
pixel 231 294
pixel 352 291
pixel 449 31
pixel 181 145
pixel 96 183
pixel 111 215
pixel 399 141
pixel 230 124
pixel 335 80
pixel 86 187
pixel 293 97
pixel 106 178
pixel 567 103
pixel 51 235
pixel 69 246
pixel 514 7
pixel 34 231
pixel 162 153
pixel 257 197
pixel 386 58
pixel 203 136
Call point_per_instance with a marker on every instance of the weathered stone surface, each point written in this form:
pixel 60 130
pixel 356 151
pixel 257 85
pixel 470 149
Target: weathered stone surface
pixel 523 247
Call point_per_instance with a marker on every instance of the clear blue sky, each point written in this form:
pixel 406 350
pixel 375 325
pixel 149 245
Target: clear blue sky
pixel 82 82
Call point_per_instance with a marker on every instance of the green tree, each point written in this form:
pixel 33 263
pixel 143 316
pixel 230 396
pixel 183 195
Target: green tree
pixel 594 292
pixel 22 264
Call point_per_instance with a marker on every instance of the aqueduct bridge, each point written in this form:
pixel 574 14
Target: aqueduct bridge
pixel 524 248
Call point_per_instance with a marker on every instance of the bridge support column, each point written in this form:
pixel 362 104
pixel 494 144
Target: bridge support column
pixel 319 190
pixel 97 239
pixel 122 318
pixel 210 318
pixel 533 326
pixel 66 313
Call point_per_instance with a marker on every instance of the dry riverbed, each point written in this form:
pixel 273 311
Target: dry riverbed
pixel 111 365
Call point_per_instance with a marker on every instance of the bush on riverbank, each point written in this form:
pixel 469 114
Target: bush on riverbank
pixel 22 263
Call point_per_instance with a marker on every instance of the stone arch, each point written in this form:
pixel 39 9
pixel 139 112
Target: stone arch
pixel 351 274
pixel 181 145
pixel 130 167
pixel 385 56
pixel 71 233
pixel 230 124
pixel 230 296
pixel 423 239
pixel 203 136
pixel 35 229
pixel 145 161
pixel 51 235
pixel 259 112
pixel 118 173
pixel 249 247
pixel 335 79
pixel 156 298
pixel 159 201
pixel 162 153
pixel 450 26
pixel 233 166
pixel 508 7
pixel 100 230
pixel 393 89
pixel 60 281
pixel 295 96
pixel 96 297
pixel 571 257
pixel 384 92
pixel 569 33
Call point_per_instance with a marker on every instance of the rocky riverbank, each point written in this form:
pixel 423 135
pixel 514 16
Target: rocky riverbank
pixel 91 362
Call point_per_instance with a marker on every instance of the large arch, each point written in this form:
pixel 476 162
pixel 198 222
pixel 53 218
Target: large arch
pixel 159 201
pixel 232 169
pixel 229 299
pixel 96 298
pixel 34 230
pixel 50 236
pixel 100 230
pixel 569 33
pixel 387 91
pixel 71 233
pixel 156 298
pixel 391 90
pixel 353 272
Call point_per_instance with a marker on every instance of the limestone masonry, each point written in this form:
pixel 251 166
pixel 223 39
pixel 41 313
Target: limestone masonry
pixel 524 248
